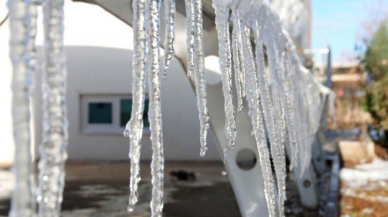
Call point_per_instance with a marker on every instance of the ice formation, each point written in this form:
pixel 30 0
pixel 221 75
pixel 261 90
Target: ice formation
pixel 134 128
pixel 22 17
pixel 52 149
pixel 222 23
pixel 199 75
pixel 283 99
pixel 169 6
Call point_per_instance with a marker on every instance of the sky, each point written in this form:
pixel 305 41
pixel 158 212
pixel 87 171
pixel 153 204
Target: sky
pixel 339 23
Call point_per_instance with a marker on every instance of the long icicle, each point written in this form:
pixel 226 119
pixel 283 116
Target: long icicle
pixel 22 16
pixel 155 114
pixel 190 19
pixel 237 25
pixel 236 62
pixel 297 106
pixel 270 119
pixel 134 127
pixel 222 25
pixel 254 102
pixel 290 113
pixel 53 147
pixel 278 118
pixel 301 109
pixel 199 72
pixel 169 6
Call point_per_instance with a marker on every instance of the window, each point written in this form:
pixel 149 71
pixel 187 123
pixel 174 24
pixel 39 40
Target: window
pixel 100 113
pixel 126 110
pixel 108 114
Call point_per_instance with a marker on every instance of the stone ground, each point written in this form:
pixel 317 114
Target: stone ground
pixel 100 189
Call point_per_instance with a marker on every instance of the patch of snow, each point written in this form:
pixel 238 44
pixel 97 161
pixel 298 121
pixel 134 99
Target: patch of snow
pixel 364 173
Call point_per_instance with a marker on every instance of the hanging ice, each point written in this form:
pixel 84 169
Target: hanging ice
pixel 237 63
pixel 134 128
pixel 284 111
pixel 199 73
pixel 238 56
pixel 22 16
pixel 222 22
pixel 255 111
pixel 169 6
pixel 190 16
pixel 53 147
pixel 155 114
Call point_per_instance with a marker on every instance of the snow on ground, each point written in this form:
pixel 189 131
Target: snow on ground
pixel 366 181
pixel 364 173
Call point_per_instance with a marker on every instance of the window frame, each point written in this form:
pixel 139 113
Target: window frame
pixel 111 129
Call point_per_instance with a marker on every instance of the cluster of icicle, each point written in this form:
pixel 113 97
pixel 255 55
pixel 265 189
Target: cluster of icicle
pixel 52 150
pixel 283 98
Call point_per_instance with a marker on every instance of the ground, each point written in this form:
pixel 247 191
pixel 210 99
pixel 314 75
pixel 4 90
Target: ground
pixel 95 189
pixel 100 189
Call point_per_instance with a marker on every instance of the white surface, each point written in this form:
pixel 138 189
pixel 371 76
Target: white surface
pixel 364 173
pixel 6 145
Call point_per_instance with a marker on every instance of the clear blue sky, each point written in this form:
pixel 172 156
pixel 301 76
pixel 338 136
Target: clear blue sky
pixel 337 22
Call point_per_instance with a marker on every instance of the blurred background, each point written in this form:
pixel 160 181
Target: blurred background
pixel 344 44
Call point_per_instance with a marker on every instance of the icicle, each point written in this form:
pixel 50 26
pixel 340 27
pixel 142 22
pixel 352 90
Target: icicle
pixel 237 63
pixel 170 34
pixel 199 72
pixel 301 113
pixel 155 114
pixel 222 25
pixel 237 28
pixel 252 94
pixel 134 127
pixel 274 65
pixel 53 147
pixel 190 17
pixel 289 112
pixel 22 18
pixel 270 109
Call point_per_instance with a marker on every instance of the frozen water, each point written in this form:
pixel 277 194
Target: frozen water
pixel 154 71
pixel 190 16
pixel 255 111
pixel 199 73
pixel 134 128
pixel 22 17
pixel 53 147
pixel 224 51
pixel 285 103
pixel 169 6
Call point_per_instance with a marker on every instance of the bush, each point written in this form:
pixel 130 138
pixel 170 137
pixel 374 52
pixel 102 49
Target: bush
pixel 376 87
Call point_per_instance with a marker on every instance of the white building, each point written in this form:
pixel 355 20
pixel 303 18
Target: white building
pixel 99 66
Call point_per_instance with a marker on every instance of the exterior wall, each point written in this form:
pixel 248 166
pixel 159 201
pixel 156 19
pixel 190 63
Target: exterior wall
pixel 6 144
pixel 107 72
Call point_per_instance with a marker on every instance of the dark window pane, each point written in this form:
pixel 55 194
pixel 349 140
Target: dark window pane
pixel 100 113
pixel 146 122
pixel 125 111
